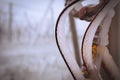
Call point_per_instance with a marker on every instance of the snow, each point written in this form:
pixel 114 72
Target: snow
pixel 40 61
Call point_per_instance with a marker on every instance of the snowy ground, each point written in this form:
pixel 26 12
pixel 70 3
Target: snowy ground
pixel 38 61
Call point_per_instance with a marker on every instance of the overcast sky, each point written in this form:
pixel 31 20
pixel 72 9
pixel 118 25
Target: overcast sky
pixel 35 11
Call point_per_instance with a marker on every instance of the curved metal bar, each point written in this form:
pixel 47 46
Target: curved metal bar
pixel 86 44
pixel 89 35
pixel 63 46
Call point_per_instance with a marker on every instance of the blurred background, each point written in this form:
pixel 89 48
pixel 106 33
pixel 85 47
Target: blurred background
pixel 28 49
